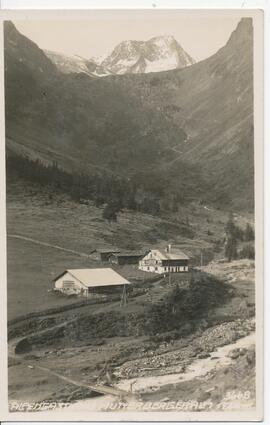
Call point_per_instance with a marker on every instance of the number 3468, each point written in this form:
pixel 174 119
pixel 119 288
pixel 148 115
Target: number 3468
pixel 237 395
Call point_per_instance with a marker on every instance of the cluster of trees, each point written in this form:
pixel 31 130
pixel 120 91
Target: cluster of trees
pixel 234 235
pixel 184 304
pixel 114 192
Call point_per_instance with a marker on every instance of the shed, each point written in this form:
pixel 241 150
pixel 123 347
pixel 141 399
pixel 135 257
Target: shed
pixel 123 258
pixel 89 282
pixel 104 254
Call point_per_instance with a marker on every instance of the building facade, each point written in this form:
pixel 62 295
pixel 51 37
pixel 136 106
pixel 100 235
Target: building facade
pixel 89 282
pixel 164 261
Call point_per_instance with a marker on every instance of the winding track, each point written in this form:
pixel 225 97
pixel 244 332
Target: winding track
pixel 60 248
pixel 102 389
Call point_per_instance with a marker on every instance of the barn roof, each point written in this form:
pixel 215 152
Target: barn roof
pixel 128 254
pixel 174 254
pixel 96 277
pixel 107 250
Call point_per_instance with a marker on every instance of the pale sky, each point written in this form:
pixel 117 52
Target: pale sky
pixel 200 34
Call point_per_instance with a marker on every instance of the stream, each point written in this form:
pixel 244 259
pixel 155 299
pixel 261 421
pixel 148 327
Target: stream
pixel 200 367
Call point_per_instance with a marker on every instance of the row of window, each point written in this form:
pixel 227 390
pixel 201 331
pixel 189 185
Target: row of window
pixel 176 269
pixel 146 262
pixel 172 269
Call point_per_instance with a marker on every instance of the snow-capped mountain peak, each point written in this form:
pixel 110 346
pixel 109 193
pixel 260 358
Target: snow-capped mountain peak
pixel 160 53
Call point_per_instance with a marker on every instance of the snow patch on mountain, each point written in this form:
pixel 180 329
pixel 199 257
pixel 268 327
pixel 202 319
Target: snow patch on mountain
pixel 76 64
pixel 160 65
pixel 67 63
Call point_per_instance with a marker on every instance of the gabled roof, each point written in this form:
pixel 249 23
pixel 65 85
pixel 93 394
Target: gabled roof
pixel 96 277
pixel 107 250
pixel 174 254
pixel 129 254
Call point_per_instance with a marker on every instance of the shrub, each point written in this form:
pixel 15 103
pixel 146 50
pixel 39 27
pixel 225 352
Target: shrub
pixel 110 212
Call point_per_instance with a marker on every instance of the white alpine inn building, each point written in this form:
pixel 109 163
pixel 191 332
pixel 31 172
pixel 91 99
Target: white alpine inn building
pixel 164 261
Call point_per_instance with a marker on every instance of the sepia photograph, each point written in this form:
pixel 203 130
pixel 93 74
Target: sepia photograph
pixel 133 168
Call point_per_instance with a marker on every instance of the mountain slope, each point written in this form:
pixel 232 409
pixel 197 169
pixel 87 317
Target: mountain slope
pixel 213 102
pixel 76 64
pixel 188 131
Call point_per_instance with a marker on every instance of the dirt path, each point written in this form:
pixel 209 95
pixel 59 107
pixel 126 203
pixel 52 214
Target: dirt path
pixel 60 248
pixel 102 389
pixel 14 341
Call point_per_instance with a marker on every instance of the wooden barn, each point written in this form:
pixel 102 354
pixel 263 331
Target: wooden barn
pixel 123 258
pixel 89 282
pixel 104 254
pixel 164 261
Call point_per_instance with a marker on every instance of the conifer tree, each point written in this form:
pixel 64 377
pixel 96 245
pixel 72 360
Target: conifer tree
pixel 249 233
pixel 231 239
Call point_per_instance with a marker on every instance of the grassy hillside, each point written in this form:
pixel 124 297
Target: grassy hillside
pixel 53 218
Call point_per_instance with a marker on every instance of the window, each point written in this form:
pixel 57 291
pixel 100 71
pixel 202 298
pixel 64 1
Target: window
pixel 68 284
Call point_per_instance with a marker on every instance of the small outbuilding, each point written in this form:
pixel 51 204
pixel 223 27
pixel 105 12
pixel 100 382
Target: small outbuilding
pixel 123 258
pixel 104 254
pixel 90 282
